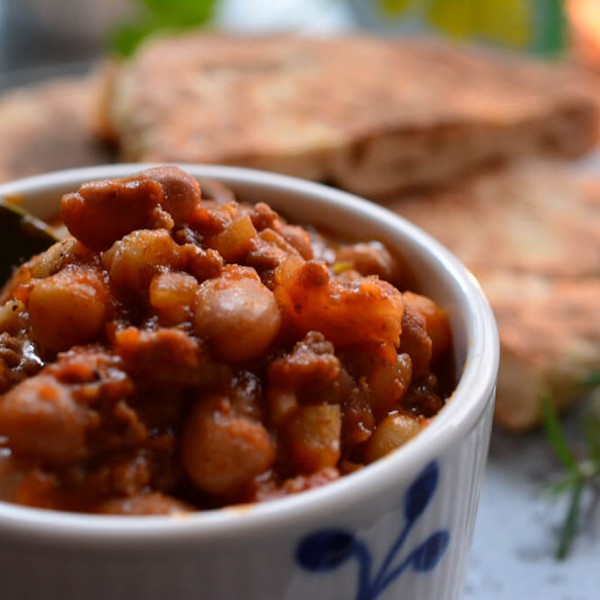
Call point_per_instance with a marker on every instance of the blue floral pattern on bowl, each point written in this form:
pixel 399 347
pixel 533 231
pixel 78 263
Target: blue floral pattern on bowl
pixel 327 549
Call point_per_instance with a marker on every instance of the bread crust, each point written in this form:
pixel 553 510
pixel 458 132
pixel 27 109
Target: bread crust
pixel 369 115
pixel 530 234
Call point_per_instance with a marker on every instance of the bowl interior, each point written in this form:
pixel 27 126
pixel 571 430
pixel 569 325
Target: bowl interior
pixel 438 274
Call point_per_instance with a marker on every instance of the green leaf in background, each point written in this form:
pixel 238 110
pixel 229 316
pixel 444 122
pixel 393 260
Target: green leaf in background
pixel 592 429
pixel 556 436
pixel 394 8
pixel 581 481
pixel 187 12
pixel 569 529
pixel 125 39
pixel 160 15
pixel 552 34
pixel 593 379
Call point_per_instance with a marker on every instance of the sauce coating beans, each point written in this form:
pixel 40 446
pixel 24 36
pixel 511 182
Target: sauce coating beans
pixel 185 351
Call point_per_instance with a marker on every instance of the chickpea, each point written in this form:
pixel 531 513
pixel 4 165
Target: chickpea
pixel 43 422
pixel 222 451
pixel 394 431
pixel 172 296
pixel 237 314
pixel 68 308
pixel 369 259
pixel 181 192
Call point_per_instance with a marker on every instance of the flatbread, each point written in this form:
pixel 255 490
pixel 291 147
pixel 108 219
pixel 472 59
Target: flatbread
pixel 550 337
pixel 49 126
pixel 370 115
pixel 530 233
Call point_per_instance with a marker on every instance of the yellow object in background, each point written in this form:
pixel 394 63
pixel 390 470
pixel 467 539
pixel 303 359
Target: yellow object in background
pixel 529 25
pixel 507 21
pixel 394 7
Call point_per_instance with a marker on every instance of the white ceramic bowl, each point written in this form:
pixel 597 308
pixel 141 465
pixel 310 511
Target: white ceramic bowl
pixel 400 528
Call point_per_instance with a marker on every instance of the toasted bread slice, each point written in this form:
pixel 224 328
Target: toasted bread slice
pixel 370 115
pixel 550 337
pixel 530 234
pixel 48 126
pixel 530 217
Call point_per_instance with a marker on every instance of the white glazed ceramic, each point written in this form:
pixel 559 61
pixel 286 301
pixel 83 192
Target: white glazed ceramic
pixel 399 529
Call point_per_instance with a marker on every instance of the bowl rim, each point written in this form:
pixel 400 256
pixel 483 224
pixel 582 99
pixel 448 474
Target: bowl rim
pixel 474 393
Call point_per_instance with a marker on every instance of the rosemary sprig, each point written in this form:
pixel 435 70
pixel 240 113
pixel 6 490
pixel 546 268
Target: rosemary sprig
pixel 582 472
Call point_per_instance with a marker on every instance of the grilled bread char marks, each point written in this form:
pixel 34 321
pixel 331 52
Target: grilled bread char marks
pixel 362 113
pixel 48 126
pixel 530 234
pixel 550 335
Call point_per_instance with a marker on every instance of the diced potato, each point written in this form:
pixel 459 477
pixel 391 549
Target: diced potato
pixel 394 431
pixel 388 382
pixel 313 437
pixel 235 241
pixel 68 308
pixel 172 296
pixel 282 404
pixel 133 261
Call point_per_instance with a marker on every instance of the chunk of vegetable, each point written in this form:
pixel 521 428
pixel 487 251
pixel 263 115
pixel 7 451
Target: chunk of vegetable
pixel 172 296
pixel 394 431
pixel 133 261
pixel 345 311
pixel 68 308
pixel 313 437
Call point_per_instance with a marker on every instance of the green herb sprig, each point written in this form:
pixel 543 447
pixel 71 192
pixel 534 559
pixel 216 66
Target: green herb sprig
pixel 582 477
pixel 160 16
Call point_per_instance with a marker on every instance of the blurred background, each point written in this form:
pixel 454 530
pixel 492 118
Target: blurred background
pixel 39 37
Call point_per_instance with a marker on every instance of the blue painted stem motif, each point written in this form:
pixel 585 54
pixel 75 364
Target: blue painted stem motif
pixel 327 549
